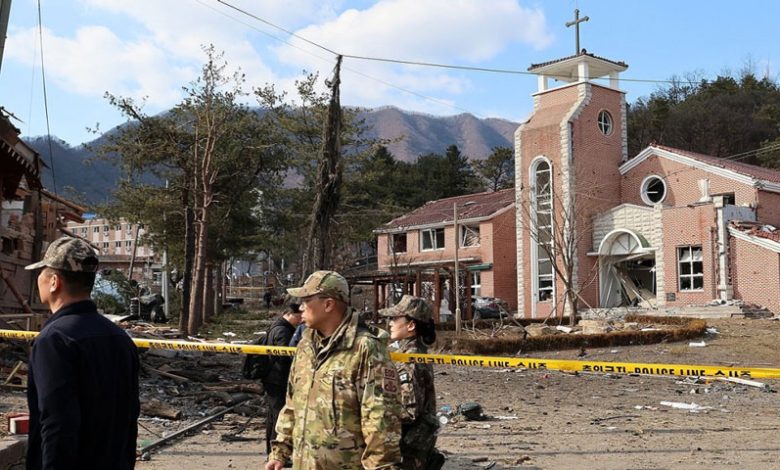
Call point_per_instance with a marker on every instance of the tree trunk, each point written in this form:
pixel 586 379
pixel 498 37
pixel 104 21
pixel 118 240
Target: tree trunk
pixel 199 273
pixel 189 258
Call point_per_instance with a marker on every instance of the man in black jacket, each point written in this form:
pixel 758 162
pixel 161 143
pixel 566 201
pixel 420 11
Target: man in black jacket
pixel 82 389
pixel 275 383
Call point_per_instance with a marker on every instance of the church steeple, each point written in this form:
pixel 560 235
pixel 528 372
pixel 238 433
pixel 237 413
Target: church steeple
pixel 580 67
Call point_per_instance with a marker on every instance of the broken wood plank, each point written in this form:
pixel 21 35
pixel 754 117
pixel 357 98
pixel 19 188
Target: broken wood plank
pixel 192 427
pixel 253 388
pixel 159 409
pixel 749 383
pixel 177 378
pixel 16 368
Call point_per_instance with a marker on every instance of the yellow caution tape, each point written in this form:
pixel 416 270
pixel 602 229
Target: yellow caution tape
pixel 681 370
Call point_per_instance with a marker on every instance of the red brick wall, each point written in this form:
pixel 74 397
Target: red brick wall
pixel 597 158
pixel 503 278
pixel 540 136
pixel 688 226
pixel 682 185
pixel 755 274
pixel 768 210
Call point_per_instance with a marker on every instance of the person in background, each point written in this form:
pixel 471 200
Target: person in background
pixel 82 388
pixel 342 406
pixel 275 382
pixel 296 338
pixel 412 330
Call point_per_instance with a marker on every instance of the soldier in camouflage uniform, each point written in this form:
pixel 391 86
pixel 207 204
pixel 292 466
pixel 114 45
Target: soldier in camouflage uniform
pixel 342 409
pixel 412 329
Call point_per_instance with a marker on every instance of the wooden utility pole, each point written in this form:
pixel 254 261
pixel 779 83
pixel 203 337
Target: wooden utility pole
pixel 328 186
pixel 456 277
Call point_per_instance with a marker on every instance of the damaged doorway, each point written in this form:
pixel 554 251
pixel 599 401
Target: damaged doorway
pixel 627 271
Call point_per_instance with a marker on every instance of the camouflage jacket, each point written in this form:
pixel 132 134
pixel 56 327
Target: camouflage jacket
pixel 342 409
pixel 417 395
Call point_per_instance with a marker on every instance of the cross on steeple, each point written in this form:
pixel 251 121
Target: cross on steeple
pixel 576 24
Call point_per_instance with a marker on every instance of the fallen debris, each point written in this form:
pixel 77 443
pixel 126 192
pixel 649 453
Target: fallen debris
pixel 692 407
pixel 144 451
pixel 159 409
pixel 699 344
pixel 749 383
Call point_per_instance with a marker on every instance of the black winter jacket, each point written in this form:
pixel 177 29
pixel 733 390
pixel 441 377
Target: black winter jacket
pixel 82 393
pixel 279 334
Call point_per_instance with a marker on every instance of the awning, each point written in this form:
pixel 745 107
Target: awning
pixel 480 267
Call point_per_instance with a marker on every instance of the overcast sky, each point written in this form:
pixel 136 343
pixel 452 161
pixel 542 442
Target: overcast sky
pixel 151 48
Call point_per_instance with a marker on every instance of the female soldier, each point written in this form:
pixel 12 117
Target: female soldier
pixel 412 328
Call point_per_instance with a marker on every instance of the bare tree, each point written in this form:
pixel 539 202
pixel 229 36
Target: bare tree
pixel 561 227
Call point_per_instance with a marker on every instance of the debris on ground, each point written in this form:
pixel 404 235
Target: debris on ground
pixel 692 407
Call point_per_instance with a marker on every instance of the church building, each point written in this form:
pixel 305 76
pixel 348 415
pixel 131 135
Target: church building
pixel 666 228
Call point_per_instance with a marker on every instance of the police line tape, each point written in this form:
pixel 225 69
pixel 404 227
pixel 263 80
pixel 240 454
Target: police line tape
pixel 681 370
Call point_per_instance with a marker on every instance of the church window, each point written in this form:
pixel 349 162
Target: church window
pixel 690 268
pixel 605 122
pixel 653 190
pixel 542 205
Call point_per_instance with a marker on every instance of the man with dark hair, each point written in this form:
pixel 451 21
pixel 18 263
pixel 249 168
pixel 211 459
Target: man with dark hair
pixel 275 383
pixel 82 390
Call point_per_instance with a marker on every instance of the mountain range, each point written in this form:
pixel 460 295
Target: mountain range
pixel 80 178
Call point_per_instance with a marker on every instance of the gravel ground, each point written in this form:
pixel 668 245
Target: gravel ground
pixel 548 419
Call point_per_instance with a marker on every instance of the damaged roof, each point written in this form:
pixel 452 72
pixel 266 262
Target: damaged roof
pixel 470 207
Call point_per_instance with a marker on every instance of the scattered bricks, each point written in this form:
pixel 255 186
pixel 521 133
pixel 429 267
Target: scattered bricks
pixel 19 423
pixel 540 330
pixel 594 327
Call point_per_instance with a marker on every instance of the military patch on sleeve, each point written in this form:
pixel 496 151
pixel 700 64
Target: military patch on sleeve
pixel 390 382
pixel 403 377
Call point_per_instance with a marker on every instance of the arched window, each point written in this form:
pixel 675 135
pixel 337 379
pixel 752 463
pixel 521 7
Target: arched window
pixel 542 229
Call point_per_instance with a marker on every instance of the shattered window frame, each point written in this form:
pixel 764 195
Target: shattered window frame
pixel 469 236
pixel 690 269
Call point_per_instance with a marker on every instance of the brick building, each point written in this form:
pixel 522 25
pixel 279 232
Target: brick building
pixel 666 228
pixel 120 244
pixel 424 241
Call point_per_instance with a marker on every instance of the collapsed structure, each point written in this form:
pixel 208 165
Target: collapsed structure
pixel 30 217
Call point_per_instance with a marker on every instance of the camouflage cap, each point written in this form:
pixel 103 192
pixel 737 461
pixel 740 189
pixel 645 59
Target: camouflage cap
pixel 409 306
pixel 325 283
pixel 68 254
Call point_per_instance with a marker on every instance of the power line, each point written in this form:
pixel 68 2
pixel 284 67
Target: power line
pixel 430 64
pixel 346 68
pixel 277 27
pixel 46 103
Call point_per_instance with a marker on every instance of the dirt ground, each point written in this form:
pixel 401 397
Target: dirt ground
pixel 551 420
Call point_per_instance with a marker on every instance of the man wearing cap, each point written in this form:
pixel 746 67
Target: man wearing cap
pixel 412 330
pixel 342 407
pixel 82 390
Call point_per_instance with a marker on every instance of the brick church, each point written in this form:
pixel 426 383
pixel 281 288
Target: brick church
pixel 666 228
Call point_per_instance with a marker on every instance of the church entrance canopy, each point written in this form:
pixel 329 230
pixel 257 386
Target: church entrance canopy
pixel 626 270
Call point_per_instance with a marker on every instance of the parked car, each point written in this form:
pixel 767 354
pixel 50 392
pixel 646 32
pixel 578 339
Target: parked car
pixel 488 307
